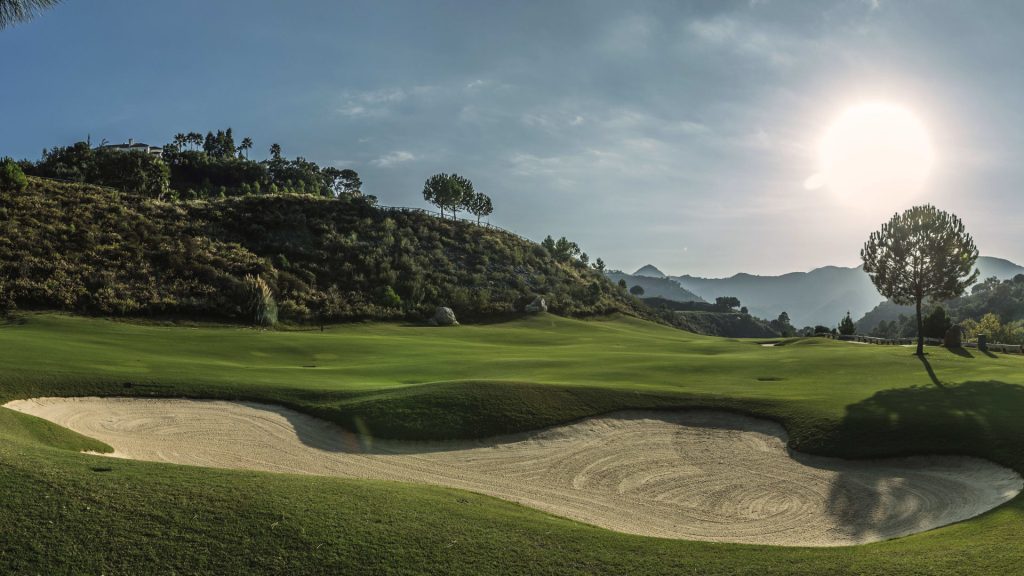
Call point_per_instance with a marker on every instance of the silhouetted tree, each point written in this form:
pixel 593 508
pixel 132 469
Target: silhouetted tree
pixel 245 146
pixel 599 265
pixel 922 253
pixel 936 324
pixel 275 151
pixel 479 205
pixel 447 191
pixel 846 325
pixel 637 290
pixel 727 302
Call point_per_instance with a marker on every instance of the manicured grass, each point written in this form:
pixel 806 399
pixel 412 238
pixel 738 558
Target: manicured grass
pixel 65 512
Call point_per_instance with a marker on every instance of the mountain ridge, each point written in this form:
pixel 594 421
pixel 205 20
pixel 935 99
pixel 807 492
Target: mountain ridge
pixel 822 295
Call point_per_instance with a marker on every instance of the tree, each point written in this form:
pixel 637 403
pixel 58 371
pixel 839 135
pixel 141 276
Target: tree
pixel 637 290
pixel 846 325
pixel 447 191
pixel 562 250
pixel 782 325
pixel 245 146
pixel 599 265
pixel 479 205
pixel 11 176
pixel 15 11
pixel 727 302
pixel 622 283
pixel 743 310
pixel 342 181
pixel 275 151
pixel 922 253
pixel 350 182
pixel 195 139
pixel 936 323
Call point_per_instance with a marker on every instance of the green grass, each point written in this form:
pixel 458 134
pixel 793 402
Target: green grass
pixel 66 512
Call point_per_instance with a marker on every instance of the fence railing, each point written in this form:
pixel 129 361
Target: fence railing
pixel 1005 348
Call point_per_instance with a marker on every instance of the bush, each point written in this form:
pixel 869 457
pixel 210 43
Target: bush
pixel 11 176
pixel 259 301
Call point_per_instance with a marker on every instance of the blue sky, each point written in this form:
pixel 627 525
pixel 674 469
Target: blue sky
pixel 673 133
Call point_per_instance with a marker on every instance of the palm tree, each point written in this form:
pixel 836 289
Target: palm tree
pixel 245 146
pixel 195 138
pixel 179 140
pixel 14 11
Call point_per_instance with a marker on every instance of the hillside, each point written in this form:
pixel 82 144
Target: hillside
pixel 655 287
pixel 94 250
pixel 725 324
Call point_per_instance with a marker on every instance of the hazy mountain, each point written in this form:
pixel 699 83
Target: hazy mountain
pixel 999 267
pixel 655 287
pixel 821 296
pixel 650 271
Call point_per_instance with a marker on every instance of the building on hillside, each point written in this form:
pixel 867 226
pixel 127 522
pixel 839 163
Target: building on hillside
pixel 133 146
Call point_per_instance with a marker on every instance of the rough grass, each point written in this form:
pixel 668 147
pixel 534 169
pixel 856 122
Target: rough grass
pixel 65 512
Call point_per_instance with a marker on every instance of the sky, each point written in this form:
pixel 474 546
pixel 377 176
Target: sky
pixel 675 133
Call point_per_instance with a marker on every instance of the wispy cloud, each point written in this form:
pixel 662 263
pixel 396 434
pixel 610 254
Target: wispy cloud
pixel 392 158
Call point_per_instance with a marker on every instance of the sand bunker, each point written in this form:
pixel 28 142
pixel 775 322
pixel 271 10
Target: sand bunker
pixel 693 475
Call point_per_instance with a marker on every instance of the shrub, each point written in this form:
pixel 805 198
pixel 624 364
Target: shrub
pixel 11 176
pixel 260 301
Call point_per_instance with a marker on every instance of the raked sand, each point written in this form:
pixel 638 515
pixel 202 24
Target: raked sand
pixel 697 475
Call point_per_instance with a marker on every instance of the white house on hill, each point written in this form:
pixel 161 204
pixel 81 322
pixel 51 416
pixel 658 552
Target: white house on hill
pixel 133 146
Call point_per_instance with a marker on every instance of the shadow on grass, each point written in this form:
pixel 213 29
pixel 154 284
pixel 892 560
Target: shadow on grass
pixel 928 368
pixel 961 351
pixel 980 418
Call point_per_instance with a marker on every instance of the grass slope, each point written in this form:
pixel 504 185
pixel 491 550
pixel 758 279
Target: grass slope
pixel 65 512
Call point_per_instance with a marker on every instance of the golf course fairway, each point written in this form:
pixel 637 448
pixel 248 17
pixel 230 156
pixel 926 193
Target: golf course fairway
pixel 442 385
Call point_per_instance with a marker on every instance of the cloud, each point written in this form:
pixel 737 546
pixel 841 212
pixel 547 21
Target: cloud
pixel 777 48
pixel 372 103
pixel 392 158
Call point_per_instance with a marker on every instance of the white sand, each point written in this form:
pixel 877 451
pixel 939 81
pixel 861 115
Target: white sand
pixel 693 475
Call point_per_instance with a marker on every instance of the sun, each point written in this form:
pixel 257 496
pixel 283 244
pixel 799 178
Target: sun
pixel 874 153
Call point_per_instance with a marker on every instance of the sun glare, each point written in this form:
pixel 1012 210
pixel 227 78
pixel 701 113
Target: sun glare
pixel 874 153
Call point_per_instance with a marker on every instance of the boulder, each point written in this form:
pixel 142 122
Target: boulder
pixel 444 316
pixel 538 305
pixel 954 337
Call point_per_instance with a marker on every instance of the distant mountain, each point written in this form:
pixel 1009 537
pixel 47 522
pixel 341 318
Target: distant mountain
pixel 650 271
pixel 821 296
pixel 655 287
pixel 1000 268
